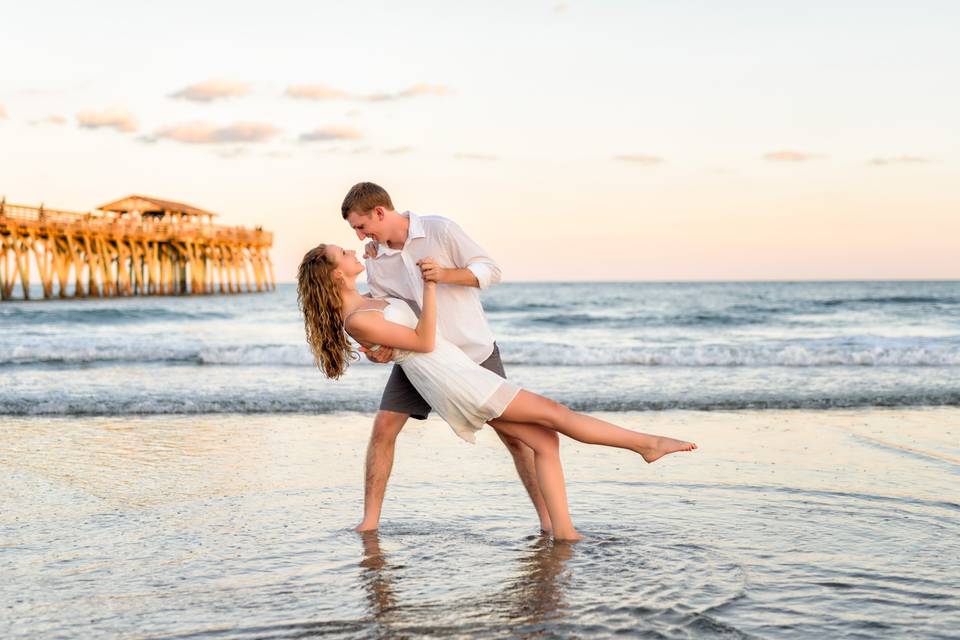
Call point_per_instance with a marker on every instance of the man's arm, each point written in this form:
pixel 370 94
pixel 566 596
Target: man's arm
pixel 432 272
pixel 475 267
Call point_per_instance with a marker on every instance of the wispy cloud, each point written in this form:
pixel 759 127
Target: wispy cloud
pixel 560 7
pixel 58 120
pixel 119 119
pixel 326 134
pixel 3 112
pixel 325 92
pixel 416 90
pixel 786 155
pixel 883 162
pixel 205 133
pixel 473 156
pixel 314 92
pixel 212 90
pixel 396 151
pixel 235 152
pixel 639 158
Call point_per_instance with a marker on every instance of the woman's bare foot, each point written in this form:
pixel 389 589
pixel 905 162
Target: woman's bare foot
pixel 567 536
pixel 659 446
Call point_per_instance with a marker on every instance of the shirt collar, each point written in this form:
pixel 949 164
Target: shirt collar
pixel 415 230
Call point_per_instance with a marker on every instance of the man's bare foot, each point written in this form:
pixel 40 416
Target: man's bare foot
pixel 366 526
pixel 661 446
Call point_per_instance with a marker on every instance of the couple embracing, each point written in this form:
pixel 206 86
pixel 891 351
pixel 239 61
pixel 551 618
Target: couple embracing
pixel 423 313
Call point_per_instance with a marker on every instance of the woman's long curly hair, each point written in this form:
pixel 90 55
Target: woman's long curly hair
pixel 319 298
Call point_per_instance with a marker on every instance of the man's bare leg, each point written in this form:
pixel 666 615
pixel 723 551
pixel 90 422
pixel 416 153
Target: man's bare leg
pixel 379 464
pixel 523 460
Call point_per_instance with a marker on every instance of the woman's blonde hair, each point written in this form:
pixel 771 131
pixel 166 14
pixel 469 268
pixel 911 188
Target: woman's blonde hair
pixel 319 298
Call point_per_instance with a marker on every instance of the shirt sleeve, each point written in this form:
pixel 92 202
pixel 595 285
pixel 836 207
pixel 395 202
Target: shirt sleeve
pixel 467 254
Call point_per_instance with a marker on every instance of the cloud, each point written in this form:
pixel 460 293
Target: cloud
pixel 639 158
pixel 3 112
pixel 410 92
pixel 314 92
pixel 790 156
pixel 324 92
pixel 560 7
pixel 882 162
pixel 325 134
pixel 204 133
pixel 396 151
pixel 58 120
pixel 212 90
pixel 235 152
pixel 473 156
pixel 118 119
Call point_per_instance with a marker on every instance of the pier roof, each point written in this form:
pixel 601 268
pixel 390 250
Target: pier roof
pixel 151 205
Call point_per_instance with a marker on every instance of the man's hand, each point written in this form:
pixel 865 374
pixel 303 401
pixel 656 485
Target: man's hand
pixel 431 271
pixel 382 355
pixel 371 249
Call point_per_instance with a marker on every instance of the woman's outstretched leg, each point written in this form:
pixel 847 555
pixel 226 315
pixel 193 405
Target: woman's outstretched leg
pixel 546 459
pixel 531 408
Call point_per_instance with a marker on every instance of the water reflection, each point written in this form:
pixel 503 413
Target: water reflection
pixel 376 577
pixel 533 595
pixel 536 595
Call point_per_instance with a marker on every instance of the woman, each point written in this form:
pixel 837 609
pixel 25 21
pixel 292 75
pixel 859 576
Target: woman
pixel 465 394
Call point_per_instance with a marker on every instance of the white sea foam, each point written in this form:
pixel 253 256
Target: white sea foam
pixel 813 354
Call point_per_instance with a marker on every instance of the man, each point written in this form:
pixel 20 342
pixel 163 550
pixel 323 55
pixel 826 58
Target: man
pixel 408 249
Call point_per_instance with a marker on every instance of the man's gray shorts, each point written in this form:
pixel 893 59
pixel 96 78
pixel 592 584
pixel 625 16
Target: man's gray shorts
pixel 400 396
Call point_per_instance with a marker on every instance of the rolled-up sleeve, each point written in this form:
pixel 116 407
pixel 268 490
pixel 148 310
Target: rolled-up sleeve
pixel 467 254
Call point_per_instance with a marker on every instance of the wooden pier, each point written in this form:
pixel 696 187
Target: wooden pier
pixel 137 245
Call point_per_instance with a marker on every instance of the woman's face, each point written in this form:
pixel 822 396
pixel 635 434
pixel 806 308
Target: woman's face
pixel 345 261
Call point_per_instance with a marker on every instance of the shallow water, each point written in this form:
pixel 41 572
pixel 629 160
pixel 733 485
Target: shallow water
pixel 785 524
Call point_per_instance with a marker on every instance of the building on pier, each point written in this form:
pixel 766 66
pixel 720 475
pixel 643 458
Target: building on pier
pixel 137 245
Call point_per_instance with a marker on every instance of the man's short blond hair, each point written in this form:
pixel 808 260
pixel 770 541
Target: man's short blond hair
pixel 363 197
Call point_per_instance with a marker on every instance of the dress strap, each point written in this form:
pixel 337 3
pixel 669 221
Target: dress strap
pixel 346 317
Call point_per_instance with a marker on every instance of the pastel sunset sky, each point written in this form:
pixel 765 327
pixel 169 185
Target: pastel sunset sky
pixel 643 140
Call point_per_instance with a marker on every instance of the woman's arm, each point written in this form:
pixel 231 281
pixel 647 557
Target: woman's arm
pixel 373 328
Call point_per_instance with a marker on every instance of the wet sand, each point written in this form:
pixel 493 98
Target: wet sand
pixel 783 524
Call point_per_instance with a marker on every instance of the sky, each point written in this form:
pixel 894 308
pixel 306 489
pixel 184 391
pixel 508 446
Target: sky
pixel 636 140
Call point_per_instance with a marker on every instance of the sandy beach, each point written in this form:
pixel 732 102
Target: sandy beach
pixel 784 523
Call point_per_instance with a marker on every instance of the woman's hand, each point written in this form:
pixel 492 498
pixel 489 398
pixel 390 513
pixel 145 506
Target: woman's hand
pixel 430 270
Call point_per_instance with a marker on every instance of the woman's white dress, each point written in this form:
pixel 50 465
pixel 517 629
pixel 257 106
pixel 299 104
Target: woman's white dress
pixel 464 394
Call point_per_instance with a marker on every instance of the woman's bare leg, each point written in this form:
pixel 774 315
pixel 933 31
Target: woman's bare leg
pixel 530 408
pixel 546 452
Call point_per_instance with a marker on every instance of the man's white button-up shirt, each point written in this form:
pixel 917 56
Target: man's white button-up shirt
pixel 460 319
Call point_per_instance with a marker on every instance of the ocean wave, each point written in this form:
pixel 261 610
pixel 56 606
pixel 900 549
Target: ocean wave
pixel 252 355
pixel 635 320
pixel 734 356
pixel 35 315
pixel 883 300
pixel 267 404
pixel 526 354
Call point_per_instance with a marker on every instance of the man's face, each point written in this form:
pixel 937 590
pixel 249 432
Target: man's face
pixel 368 225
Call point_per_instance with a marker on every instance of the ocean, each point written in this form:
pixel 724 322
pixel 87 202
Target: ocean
pixel 595 346
pixel 177 468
